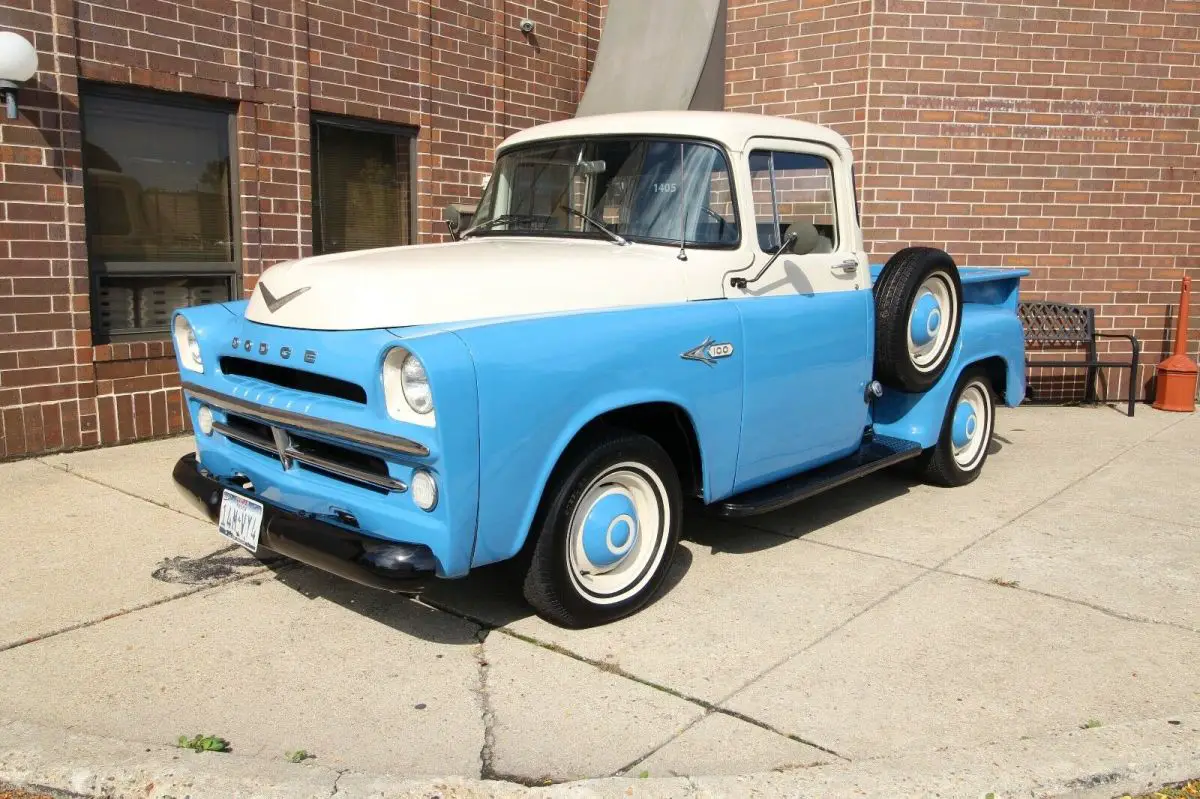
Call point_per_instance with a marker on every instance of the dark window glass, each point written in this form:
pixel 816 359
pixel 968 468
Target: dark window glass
pixel 159 208
pixel 362 188
pixel 157 181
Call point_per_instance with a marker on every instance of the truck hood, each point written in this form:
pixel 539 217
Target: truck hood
pixel 478 278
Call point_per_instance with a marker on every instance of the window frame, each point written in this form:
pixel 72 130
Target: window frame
pixel 411 132
pixel 772 151
pixel 99 268
pixel 653 137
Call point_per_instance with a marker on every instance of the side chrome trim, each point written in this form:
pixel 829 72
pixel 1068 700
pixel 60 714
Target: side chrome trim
pixel 269 415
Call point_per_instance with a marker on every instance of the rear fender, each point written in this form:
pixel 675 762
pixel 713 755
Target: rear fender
pixel 990 331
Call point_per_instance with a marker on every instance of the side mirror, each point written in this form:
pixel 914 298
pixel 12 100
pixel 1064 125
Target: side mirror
pixel 786 246
pixel 453 219
pixel 593 167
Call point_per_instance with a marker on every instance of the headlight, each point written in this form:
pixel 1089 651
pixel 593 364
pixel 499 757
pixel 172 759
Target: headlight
pixel 187 345
pixel 406 388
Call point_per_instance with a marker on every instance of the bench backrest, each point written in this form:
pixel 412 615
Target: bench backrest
pixel 1057 323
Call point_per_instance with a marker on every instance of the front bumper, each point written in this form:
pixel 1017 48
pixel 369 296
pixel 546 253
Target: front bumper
pixel 369 561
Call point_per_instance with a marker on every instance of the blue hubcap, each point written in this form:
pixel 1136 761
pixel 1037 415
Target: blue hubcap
pixel 966 424
pixel 926 319
pixel 610 530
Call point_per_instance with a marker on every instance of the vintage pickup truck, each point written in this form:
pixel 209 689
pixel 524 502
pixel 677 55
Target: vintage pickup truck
pixel 649 310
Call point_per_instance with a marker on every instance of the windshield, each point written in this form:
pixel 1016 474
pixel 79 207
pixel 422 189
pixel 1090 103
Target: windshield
pixel 655 191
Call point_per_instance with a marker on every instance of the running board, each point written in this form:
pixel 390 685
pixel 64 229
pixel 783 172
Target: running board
pixel 878 453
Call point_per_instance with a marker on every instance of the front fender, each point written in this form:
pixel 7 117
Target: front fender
pixel 542 380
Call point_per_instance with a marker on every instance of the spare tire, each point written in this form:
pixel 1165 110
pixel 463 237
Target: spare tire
pixel 918 314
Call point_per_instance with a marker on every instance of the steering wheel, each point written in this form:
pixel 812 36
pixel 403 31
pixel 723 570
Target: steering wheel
pixel 720 221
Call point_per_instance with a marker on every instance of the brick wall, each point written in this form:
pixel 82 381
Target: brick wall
pixel 1057 135
pixel 1062 136
pixel 459 71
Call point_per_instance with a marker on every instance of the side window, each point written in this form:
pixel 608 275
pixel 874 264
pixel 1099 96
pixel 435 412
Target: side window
pixel 791 188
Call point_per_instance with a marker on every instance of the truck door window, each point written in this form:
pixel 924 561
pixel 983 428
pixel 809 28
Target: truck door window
pixel 790 188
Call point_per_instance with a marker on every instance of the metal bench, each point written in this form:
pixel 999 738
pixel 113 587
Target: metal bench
pixel 1075 325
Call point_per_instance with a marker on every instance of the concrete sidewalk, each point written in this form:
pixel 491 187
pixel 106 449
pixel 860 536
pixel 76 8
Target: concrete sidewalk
pixel 885 634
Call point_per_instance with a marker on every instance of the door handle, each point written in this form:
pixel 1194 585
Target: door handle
pixel 847 267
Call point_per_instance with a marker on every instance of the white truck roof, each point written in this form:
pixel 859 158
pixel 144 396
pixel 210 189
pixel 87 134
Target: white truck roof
pixel 730 128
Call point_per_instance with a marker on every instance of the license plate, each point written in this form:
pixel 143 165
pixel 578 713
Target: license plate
pixel 240 520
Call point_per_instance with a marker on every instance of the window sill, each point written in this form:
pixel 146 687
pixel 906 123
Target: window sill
pixel 133 350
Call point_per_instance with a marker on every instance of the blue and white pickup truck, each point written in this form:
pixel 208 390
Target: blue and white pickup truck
pixel 648 310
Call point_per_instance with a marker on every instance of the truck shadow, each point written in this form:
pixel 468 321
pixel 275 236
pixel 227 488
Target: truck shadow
pixel 458 612
pixel 453 612
pixel 760 533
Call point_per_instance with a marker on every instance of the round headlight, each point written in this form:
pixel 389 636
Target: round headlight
pixel 424 490
pixel 415 385
pixel 187 345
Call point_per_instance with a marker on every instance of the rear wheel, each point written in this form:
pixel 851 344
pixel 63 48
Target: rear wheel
pixel 962 446
pixel 918 314
pixel 607 531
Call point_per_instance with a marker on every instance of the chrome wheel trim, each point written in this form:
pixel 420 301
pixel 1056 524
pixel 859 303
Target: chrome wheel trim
pixel 929 355
pixel 976 396
pixel 608 584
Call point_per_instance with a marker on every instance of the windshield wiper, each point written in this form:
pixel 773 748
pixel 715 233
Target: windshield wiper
pixel 502 219
pixel 612 234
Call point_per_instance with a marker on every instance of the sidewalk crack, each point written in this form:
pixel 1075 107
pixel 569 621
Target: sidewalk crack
pixel 336 780
pixel 66 469
pixel 487 713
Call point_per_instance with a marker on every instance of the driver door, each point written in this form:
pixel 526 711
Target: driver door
pixel 807 321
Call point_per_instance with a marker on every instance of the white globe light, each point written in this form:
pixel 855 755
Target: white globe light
pixel 18 59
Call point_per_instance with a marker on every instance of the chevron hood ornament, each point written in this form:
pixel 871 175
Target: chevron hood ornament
pixel 275 303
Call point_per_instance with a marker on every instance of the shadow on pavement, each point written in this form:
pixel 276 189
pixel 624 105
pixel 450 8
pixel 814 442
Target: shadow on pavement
pixel 745 536
pixel 392 610
pixel 453 611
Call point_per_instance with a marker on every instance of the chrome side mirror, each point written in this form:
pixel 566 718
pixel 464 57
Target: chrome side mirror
pixel 786 246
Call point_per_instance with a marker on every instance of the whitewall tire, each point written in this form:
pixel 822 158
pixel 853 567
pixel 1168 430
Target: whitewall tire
pixel 606 532
pixel 966 434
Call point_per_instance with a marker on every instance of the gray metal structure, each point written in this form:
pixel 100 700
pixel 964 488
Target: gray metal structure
pixel 659 55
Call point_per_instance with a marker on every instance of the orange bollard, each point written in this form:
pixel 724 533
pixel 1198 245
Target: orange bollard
pixel 1175 388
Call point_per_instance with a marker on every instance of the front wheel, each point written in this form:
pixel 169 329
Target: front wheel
pixel 606 532
pixel 962 446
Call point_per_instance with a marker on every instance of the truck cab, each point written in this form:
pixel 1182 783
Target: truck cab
pixel 648 310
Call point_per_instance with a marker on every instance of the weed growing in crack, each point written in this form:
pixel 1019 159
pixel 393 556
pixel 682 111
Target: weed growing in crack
pixel 204 743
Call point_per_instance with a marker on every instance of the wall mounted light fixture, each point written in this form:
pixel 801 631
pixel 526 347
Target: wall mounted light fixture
pixel 18 63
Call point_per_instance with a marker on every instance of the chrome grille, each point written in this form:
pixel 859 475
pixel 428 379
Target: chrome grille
pixel 294 448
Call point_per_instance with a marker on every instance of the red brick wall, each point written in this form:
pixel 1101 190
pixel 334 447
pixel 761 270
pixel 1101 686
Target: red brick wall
pixel 1057 135
pixel 459 71
pixel 1062 136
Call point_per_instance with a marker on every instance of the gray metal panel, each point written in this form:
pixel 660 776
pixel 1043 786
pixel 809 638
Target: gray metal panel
pixel 659 55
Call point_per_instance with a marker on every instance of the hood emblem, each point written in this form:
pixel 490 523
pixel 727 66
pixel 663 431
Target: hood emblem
pixel 708 352
pixel 275 303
